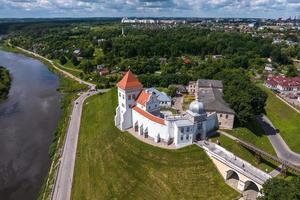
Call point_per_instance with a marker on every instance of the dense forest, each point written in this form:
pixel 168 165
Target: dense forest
pixel 163 56
pixel 281 189
pixel 4 82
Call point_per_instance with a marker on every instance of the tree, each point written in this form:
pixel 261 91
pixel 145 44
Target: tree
pixel 246 99
pixel 281 189
pixel 87 67
pixel 75 61
pixel 291 71
pixel 63 60
pixel 172 91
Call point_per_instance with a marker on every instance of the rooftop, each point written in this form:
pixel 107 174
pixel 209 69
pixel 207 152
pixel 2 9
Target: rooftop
pixel 183 122
pixel 212 99
pixel 129 81
pixel 149 115
pixel 143 97
pixel 284 81
pixel 161 96
pixel 205 83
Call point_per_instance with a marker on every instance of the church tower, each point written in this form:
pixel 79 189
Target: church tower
pixel 128 89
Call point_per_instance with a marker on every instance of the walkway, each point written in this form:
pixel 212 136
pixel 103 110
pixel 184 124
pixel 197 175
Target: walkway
pixel 64 178
pixel 276 171
pixel 236 163
pixel 282 149
pixel 91 85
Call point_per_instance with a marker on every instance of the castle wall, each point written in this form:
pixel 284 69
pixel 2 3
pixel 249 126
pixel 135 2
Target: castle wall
pixel 154 129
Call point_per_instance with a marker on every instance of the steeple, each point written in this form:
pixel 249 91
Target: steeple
pixel 129 81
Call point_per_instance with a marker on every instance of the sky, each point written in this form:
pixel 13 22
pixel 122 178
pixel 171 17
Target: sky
pixel 149 8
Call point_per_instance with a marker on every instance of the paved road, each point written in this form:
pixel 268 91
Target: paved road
pixel 64 178
pixel 282 149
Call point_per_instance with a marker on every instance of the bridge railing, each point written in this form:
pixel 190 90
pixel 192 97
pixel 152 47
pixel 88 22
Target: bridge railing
pixel 261 152
pixel 236 163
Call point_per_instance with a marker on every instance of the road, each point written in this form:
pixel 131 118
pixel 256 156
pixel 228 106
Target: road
pixel 282 149
pixel 64 178
pixel 91 85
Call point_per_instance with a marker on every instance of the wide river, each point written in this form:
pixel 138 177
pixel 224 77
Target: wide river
pixel 28 119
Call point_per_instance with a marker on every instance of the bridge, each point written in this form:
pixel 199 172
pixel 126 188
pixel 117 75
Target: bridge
pixel 237 173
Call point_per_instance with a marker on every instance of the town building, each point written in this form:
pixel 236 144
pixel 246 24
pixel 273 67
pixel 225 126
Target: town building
pixel 104 71
pixel 139 110
pixel 213 101
pixel 283 84
pixel 210 93
pixel 269 68
pixel 162 97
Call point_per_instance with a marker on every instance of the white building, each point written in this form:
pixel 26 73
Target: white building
pixel 140 109
pixel 162 97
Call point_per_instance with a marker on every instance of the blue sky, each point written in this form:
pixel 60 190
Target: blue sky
pixel 149 8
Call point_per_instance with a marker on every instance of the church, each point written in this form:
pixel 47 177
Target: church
pixel 139 109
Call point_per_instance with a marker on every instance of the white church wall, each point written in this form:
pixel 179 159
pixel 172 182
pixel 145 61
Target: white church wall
pixel 183 135
pixel 154 128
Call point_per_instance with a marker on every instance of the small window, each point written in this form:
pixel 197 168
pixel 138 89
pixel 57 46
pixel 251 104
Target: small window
pixel 182 130
pixel 181 137
pixel 220 115
pixel 129 97
pixel 123 105
pixel 226 116
pixel 219 123
pixel 187 137
pixel 188 129
pixel 133 96
pixel 123 96
pixel 155 105
pixel 119 94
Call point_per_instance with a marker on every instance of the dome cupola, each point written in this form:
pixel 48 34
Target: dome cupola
pixel 197 107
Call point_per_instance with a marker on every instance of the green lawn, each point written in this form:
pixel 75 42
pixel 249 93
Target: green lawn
pixel 285 119
pixel 114 165
pixel 69 67
pixel 254 134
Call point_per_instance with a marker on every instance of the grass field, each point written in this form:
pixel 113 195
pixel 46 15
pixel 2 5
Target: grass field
pixel 254 134
pixel 115 165
pixel 285 119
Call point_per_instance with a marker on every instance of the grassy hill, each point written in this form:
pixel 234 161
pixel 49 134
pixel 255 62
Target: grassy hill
pixel 114 165
pixel 285 119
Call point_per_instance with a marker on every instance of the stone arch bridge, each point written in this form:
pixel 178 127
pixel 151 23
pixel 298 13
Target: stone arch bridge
pixel 237 173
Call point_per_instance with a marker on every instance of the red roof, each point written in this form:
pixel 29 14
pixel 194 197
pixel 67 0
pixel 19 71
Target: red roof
pixel 149 116
pixel 129 81
pixel 143 98
pixel 284 81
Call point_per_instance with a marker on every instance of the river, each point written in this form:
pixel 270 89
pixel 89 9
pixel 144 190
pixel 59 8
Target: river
pixel 28 119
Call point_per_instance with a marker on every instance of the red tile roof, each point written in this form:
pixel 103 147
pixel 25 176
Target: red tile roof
pixel 149 116
pixel 284 81
pixel 129 81
pixel 143 98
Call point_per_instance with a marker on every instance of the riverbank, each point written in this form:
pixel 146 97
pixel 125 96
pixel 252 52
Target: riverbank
pixel 5 82
pixel 69 90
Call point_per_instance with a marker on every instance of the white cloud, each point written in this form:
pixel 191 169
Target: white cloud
pixel 83 8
